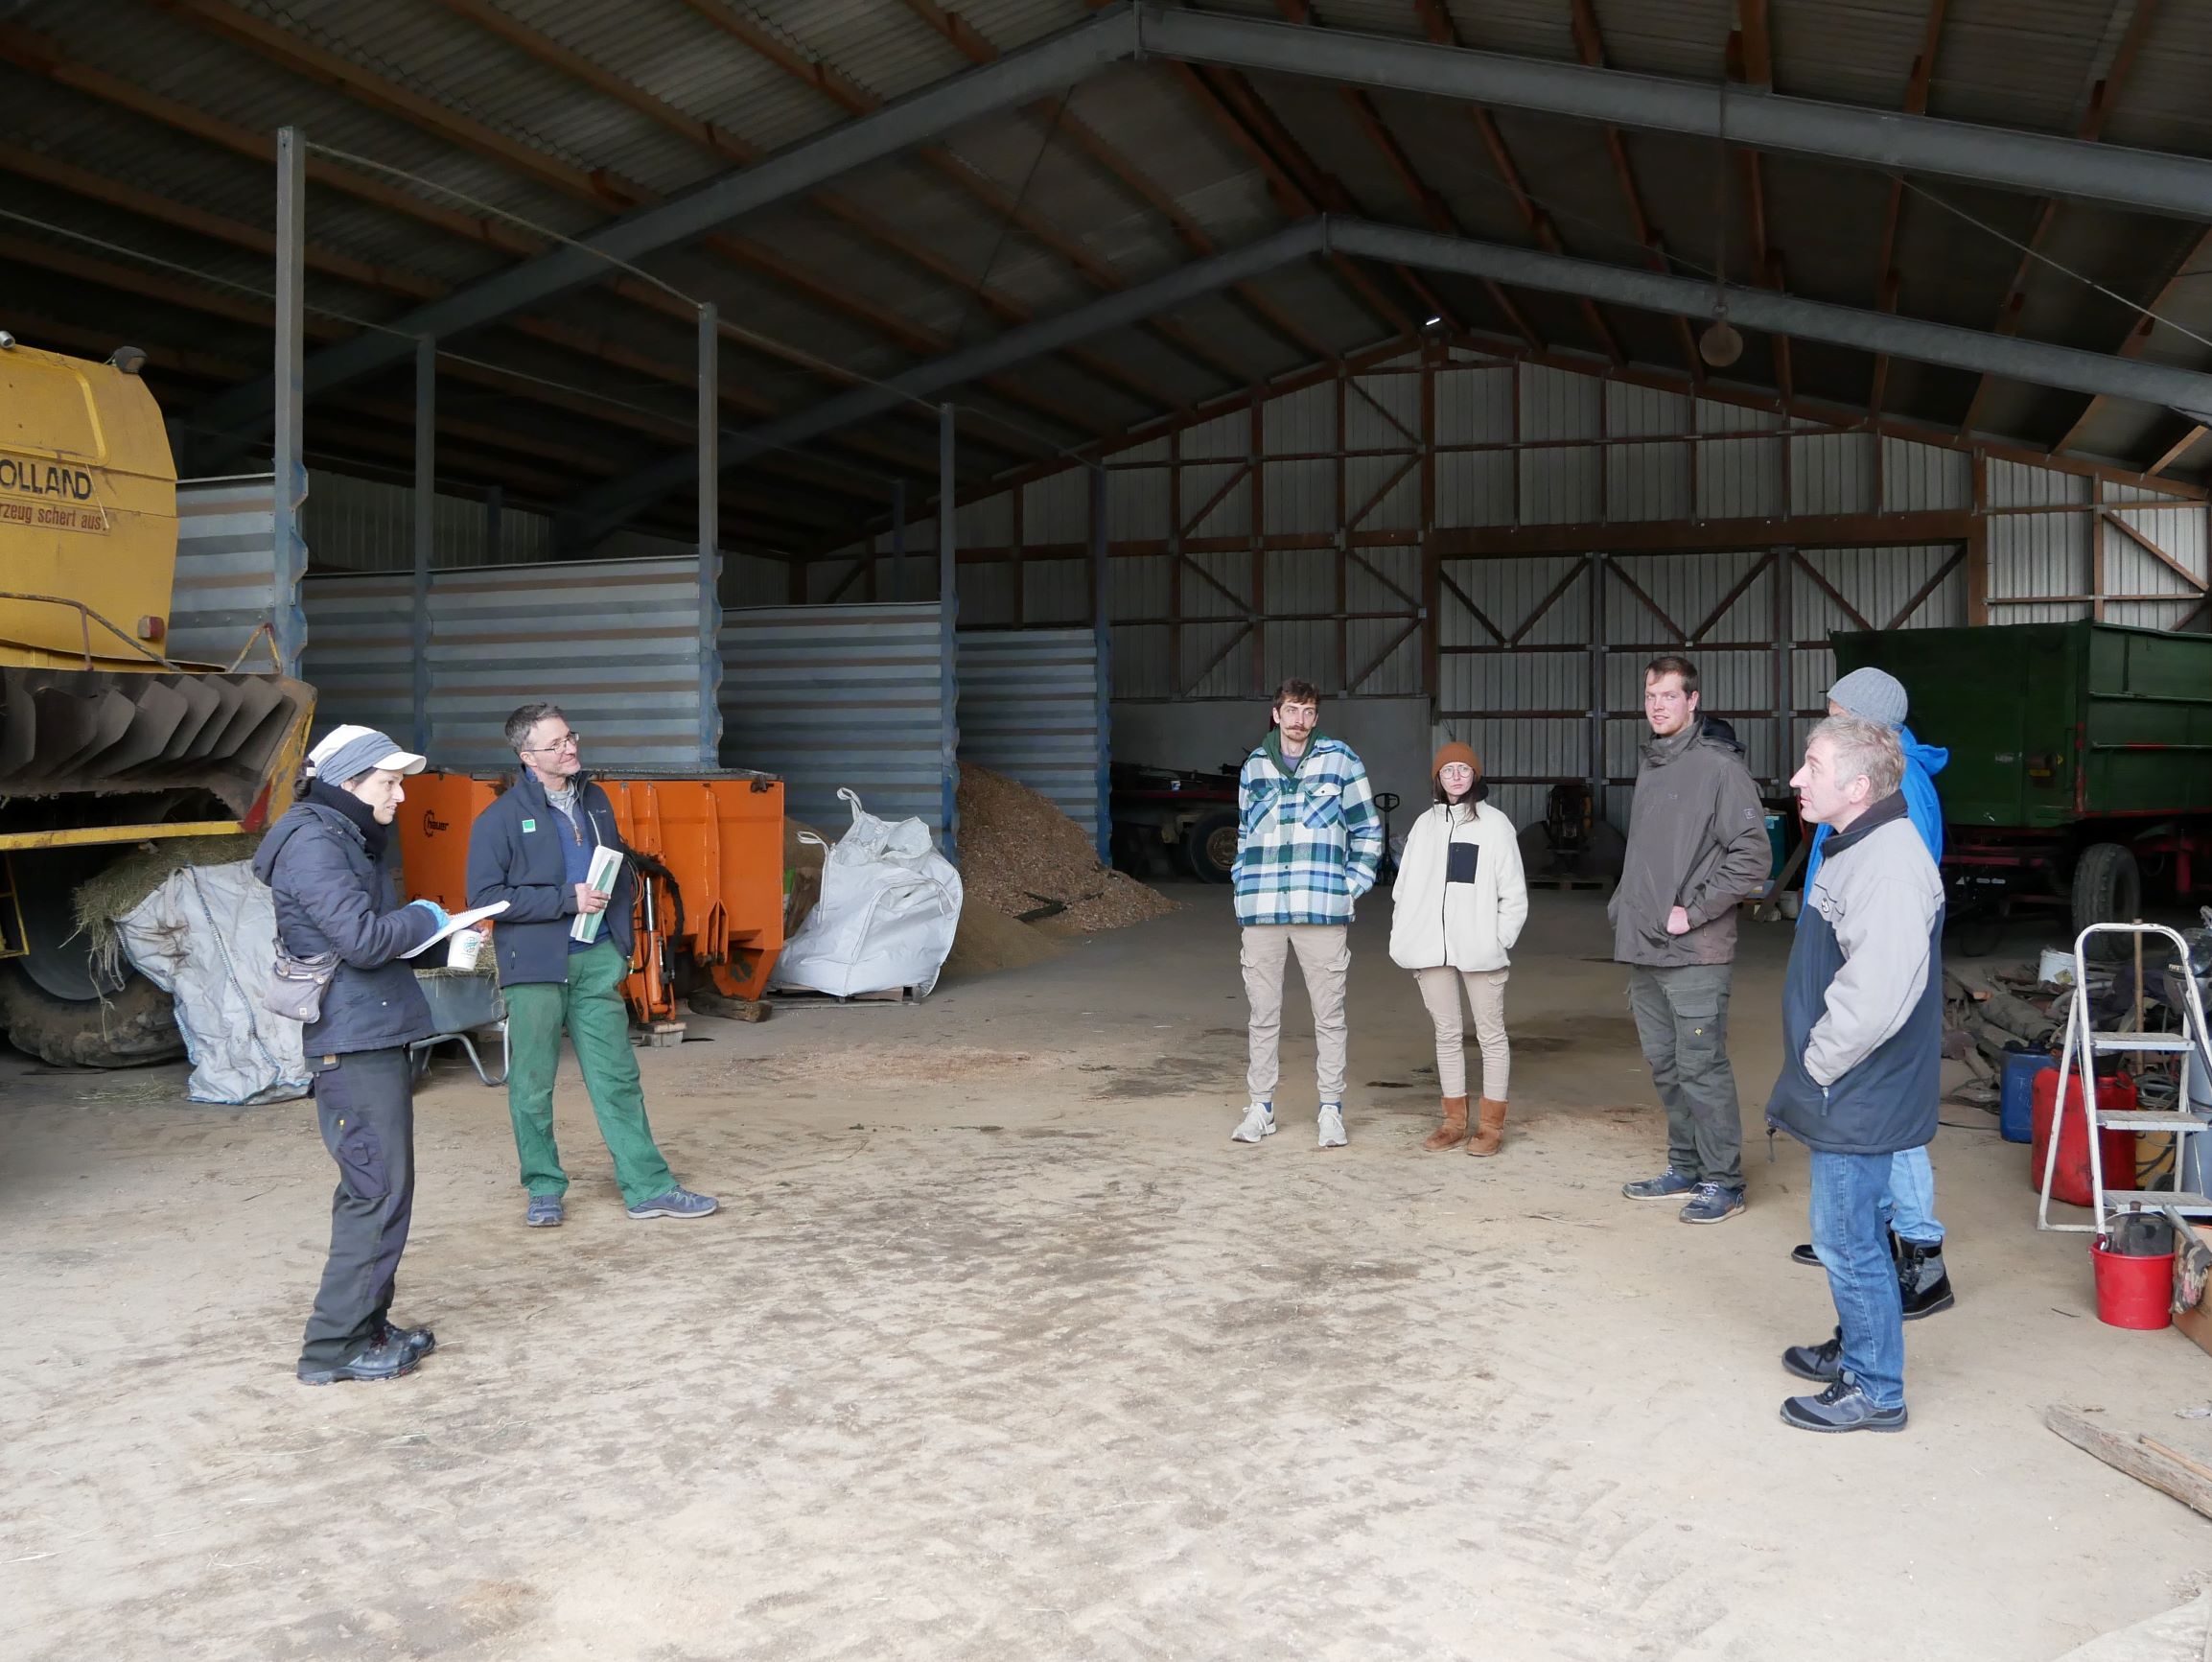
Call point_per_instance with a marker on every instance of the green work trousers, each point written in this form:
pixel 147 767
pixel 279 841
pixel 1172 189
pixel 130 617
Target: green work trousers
pixel 589 1005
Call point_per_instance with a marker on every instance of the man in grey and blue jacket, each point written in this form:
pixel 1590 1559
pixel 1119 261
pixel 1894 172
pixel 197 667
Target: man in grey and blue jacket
pixel 1862 1034
pixel 532 848
pixel 1917 1234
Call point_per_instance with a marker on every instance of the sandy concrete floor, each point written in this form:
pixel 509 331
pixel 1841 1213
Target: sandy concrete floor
pixel 1000 1350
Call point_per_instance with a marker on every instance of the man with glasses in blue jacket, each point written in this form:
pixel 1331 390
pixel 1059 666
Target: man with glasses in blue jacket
pixel 532 848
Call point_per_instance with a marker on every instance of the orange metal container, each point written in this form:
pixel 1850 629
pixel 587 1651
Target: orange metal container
pixel 720 836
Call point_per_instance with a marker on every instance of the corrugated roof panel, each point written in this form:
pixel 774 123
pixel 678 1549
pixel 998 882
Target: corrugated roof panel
pixel 1008 23
pixel 2020 63
pixel 1678 38
pixel 1314 293
pixel 844 262
pixel 1234 331
pixel 766 305
pixel 886 49
pixel 438 53
pixel 1853 51
pixel 132 151
pixel 1537 28
pixel 1145 113
pixel 2162 105
pixel 166 56
pixel 667 48
pixel 1161 363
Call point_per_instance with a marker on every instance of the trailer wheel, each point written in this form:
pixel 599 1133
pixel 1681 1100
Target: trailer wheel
pixel 2108 889
pixel 136 1025
pixel 1211 846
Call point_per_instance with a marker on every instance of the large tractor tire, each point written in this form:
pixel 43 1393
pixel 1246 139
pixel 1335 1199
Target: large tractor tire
pixel 132 1027
pixel 56 1002
pixel 1210 846
pixel 2108 889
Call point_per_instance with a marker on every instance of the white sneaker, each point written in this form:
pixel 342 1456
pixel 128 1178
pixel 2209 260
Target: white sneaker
pixel 1332 1124
pixel 1259 1121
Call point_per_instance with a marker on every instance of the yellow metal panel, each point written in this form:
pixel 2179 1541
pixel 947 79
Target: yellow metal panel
pixel 87 503
pixel 92 835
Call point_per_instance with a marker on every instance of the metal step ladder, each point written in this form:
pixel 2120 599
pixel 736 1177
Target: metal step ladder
pixel 2083 1046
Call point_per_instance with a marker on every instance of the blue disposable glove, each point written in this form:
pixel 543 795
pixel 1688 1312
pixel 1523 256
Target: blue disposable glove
pixel 435 910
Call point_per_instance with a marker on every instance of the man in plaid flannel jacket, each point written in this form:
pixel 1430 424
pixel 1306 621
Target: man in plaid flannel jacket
pixel 1307 842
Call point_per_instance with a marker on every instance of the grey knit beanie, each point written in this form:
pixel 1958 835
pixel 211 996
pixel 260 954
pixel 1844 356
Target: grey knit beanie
pixel 1872 695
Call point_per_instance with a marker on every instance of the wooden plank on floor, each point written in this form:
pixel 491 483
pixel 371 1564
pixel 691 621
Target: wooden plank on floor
pixel 2168 1472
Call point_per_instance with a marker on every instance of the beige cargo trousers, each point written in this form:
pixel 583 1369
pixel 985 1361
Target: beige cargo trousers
pixel 1324 960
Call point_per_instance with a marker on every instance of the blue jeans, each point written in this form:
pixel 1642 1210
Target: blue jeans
pixel 1909 1202
pixel 1847 1232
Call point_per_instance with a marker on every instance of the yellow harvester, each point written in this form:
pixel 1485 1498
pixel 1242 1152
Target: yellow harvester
pixel 107 743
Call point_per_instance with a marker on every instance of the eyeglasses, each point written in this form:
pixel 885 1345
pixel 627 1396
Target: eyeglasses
pixel 566 742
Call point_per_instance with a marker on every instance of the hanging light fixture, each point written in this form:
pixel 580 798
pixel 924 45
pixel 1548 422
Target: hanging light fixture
pixel 1720 345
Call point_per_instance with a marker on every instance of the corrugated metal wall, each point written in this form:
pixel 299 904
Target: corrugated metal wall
pixel 2063 547
pixel 830 696
pixel 1515 664
pixel 614 643
pixel 1031 708
pixel 225 572
pixel 359 524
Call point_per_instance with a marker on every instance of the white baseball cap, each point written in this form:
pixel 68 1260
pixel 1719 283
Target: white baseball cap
pixel 349 752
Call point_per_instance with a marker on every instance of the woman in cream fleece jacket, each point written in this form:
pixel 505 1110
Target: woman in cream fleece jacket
pixel 1459 905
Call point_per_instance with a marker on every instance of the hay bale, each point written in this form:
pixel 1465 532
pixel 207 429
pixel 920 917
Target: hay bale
pixel 1019 855
pixel 122 883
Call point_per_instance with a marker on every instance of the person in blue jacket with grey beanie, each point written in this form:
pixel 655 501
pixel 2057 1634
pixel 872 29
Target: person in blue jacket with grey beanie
pixel 329 865
pixel 1909 1201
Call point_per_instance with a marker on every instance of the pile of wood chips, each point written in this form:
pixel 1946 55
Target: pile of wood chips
pixel 1022 856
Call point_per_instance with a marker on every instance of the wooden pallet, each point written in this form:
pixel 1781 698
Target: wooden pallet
pixel 807 998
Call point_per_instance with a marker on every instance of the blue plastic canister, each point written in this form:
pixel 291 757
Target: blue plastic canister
pixel 2017 1095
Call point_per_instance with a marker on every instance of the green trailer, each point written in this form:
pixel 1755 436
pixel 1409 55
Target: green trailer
pixel 2080 766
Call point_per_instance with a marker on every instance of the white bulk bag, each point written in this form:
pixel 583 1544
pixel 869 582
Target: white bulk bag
pixel 206 937
pixel 889 904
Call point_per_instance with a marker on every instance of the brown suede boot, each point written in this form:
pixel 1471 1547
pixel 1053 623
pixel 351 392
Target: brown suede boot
pixel 1492 1129
pixel 1454 1126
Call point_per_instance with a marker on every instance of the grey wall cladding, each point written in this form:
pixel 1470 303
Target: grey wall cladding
pixel 225 572
pixel 1030 709
pixel 614 643
pixel 830 696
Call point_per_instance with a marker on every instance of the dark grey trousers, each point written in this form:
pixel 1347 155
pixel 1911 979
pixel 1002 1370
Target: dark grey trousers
pixel 1681 1022
pixel 366 1105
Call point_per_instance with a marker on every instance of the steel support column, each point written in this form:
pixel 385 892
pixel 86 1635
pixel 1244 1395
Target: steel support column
pixel 948 626
pixel 1782 573
pixel 709 536
pixel 425 512
pixel 1600 699
pixel 1102 638
pixel 898 539
pixel 288 404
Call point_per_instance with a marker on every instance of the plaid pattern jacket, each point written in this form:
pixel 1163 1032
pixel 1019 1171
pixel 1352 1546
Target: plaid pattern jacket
pixel 1308 843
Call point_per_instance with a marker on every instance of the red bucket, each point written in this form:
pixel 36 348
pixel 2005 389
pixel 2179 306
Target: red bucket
pixel 2136 1293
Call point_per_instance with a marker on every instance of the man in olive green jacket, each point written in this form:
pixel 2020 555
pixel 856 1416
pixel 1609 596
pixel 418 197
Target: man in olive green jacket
pixel 1697 845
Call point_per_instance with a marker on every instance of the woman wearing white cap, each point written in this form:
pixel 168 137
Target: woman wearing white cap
pixel 330 864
